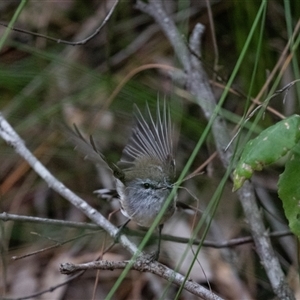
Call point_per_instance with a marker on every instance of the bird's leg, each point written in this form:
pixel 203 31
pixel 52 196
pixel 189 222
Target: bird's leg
pixel 155 254
pixel 160 227
pixel 117 236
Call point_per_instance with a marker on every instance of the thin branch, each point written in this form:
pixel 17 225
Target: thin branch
pixel 18 218
pixel 59 41
pixel 142 265
pixel 264 104
pixel 53 288
pixel 129 232
pixel 49 290
pixel 56 245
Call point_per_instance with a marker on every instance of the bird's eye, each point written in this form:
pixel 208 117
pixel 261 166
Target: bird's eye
pixel 146 185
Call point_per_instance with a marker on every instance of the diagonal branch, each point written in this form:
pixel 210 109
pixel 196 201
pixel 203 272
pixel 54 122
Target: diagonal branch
pixel 13 139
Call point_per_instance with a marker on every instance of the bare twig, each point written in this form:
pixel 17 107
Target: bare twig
pixel 264 104
pixel 56 245
pixel 143 265
pixel 12 217
pixel 49 290
pixel 59 41
pixel 230 243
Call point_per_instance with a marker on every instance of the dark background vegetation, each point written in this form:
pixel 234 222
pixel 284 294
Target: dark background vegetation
pixel 43 84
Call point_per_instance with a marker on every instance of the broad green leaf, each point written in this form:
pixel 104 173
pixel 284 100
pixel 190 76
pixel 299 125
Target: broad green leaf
pixel 270 145
pixel 289 190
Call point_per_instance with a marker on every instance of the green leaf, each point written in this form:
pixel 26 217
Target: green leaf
pixel 289 190
pixel 270 145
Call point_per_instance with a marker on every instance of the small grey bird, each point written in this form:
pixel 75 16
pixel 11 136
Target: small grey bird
pixel 146 172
